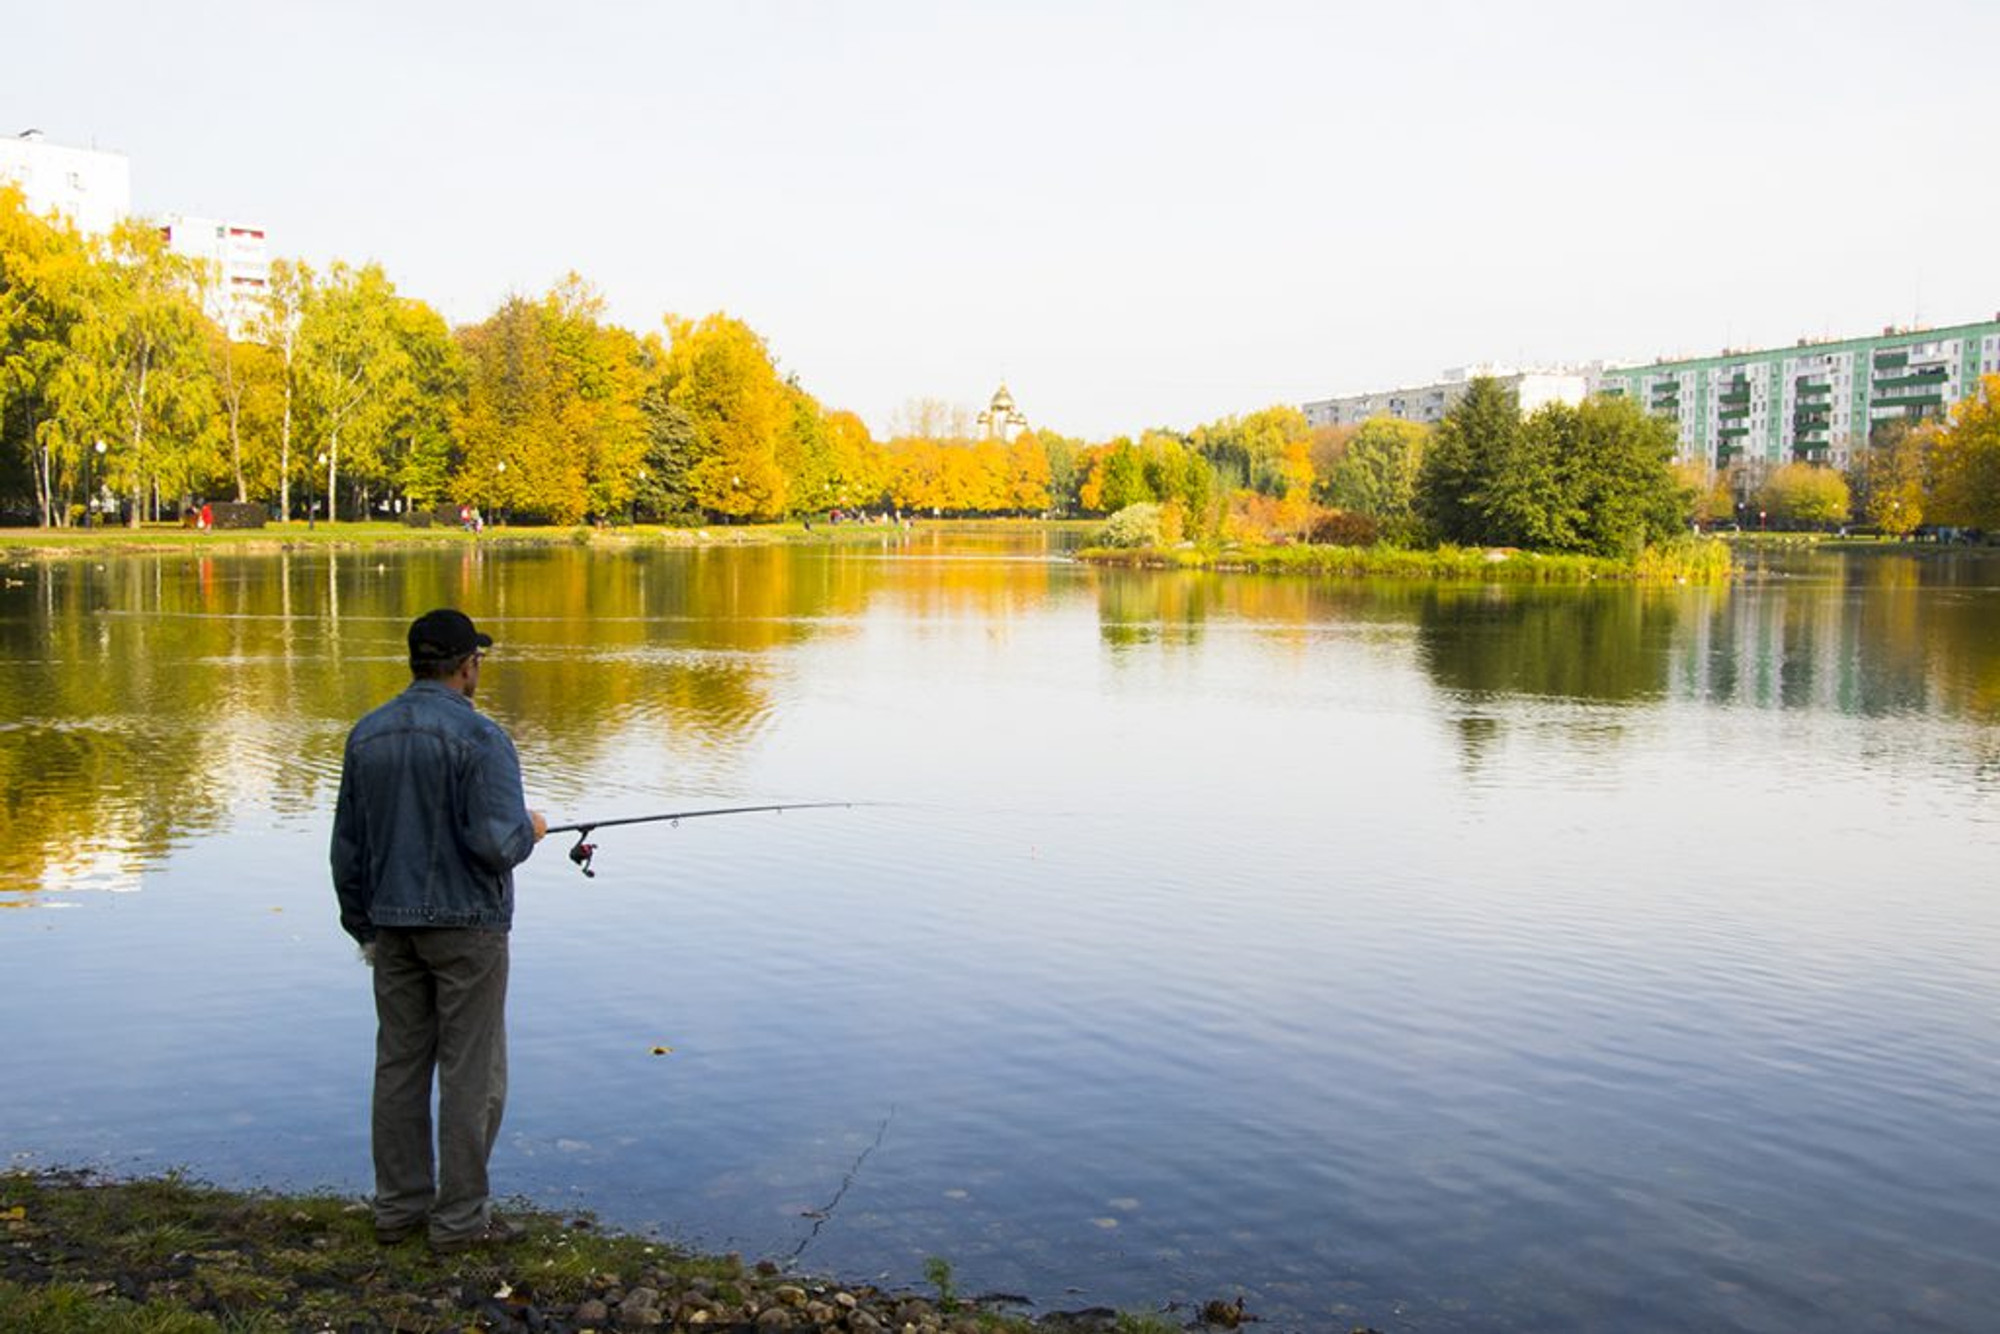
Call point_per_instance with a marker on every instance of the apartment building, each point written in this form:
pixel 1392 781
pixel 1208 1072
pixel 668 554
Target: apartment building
pixel 236 266
pixel 1815 402
pixel 1428 403
pixel 92 189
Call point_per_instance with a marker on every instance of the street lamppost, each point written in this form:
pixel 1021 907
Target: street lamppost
pixel 636 495
pixel 312 502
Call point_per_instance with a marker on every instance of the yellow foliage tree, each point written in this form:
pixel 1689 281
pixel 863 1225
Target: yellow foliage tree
pixel 720 373
pixel 1965 462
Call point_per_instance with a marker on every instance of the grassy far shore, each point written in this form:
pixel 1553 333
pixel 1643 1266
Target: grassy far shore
pixel 81 1254
pixel 1685 560
pixel 295 536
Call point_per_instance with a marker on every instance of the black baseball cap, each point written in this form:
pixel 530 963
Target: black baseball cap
pixel 444 634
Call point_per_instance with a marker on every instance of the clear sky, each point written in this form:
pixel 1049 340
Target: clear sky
pixel 1138 214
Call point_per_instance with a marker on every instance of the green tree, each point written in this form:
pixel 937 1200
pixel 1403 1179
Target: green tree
pixel 1624 470
pixel 665 487
pixel 1595 478
pixel 1378 471
pixel 1065 476
pixel 1476 434
pixel 1117 479
pixel 421 404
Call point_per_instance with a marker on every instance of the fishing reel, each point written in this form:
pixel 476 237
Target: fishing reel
pixel 585 849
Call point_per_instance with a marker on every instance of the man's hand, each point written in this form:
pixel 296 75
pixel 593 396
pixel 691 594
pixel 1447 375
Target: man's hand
pixel 541 823
pixel 368 952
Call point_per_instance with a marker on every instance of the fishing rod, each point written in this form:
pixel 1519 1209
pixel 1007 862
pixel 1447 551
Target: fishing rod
pixel 585 849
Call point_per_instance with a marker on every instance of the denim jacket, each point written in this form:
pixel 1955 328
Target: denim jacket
pixel 431 820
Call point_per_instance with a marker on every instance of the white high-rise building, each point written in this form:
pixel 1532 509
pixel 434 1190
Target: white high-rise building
pixel 236 266
pixel 92 189
pixel 1429 402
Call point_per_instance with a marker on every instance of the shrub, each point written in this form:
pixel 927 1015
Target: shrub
pixel 1134 526
pixel 1344 528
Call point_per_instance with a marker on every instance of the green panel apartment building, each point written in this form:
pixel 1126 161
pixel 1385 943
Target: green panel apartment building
pixel 1815 402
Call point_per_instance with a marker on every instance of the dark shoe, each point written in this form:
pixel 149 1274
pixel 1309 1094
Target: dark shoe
pixel 389 1236
pixel 497 1232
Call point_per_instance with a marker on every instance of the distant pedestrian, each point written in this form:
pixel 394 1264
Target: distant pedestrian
pixel 427 830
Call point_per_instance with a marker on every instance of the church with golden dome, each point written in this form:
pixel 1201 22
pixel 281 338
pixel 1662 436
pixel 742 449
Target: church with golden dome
pixel 1002 421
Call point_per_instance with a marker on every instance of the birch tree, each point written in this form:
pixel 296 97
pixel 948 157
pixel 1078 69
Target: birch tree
pixel 348 355
pixel 137 373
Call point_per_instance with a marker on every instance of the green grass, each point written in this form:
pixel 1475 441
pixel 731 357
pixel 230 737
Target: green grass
pixel 85 1255
pixel 297 536
pixel 1684 560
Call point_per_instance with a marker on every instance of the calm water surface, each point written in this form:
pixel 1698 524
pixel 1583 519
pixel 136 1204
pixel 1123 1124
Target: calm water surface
pixel 1432 959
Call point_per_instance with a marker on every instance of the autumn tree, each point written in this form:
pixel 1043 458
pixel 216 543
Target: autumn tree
pixel 1965 462
pixel 805 452
pixel 720 373
pixel 857 466
pixel 137 373
pixel 1888 479
pixel 276 327
pixel 1028 477
pixel 1328 447
pixel 43 274
pixel 1707 491
pixel 1805 493
pixel 349 357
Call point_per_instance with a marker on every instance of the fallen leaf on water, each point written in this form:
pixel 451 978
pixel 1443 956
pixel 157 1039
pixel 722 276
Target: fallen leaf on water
pixel 661 1051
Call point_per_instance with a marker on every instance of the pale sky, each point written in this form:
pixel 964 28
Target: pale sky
pixel 1137 214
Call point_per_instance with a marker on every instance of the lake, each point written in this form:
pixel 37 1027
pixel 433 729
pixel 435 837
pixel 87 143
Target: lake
pixel 1429 958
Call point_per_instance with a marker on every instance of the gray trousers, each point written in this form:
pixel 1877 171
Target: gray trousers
pixel 440 1006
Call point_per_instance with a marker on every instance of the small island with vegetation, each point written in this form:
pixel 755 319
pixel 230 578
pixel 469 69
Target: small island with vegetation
pixel 1564 494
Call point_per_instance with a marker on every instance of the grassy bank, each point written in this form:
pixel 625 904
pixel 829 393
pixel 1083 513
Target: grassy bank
pixel 368 536
pixel 1685 560
pixel 166 1256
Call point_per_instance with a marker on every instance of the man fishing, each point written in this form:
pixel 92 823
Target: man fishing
pixel 430 823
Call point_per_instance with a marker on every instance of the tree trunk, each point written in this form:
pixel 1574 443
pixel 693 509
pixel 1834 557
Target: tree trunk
pixel 332 469
pixel 236 446
pixel 285 452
